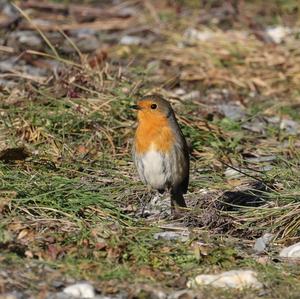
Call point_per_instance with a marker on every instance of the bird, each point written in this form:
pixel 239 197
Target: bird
pixel 160 151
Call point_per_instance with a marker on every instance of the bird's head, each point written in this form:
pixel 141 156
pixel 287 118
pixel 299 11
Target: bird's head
pixel 153 106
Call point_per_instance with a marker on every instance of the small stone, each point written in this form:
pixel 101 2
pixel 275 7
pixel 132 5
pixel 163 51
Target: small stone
pixel 255 126
pixel 84 32
pixel 192 35
pixel 80 290
pixel 290 126
pixel 233 112
pixel 182 236
pixel 7 84
pixel 262 242
pixel 7 65
pixel 88 44
pixel 193 95
pixel 9 10
pixel 273 119
pixel 292 251
pixel 130 40
pixel 31 41
pixel 278 33
pixel 25 39
pixel 42 22
pixel 179 92
pixel 237 279
pixel 261 159
pixel 85 44
pixel 232 173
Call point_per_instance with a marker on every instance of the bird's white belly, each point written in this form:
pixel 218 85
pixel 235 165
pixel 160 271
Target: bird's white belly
pixel 154 169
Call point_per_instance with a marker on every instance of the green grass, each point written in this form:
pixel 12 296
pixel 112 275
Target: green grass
pixel 76 200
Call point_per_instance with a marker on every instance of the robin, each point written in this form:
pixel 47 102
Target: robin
pixel 160 151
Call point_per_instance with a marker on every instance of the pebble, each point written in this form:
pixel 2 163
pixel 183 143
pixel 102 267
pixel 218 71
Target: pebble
pixel 193 95
pixel 182 236
pixel 292 251
pixel 30 41
pixel 7 84
pixel 232 173
pixel 85 32
pixel 26 39
pixel 80 290
pixel 179 92
pixel 262 242
pixel 88 44
pixel 233 112
pixel 236 279
pixel 290 126
pixel 130 40
pixel 261 159
pixel 9 10
pixel 255 126
pixel 278 33
pixel 194 35
pixel 85 44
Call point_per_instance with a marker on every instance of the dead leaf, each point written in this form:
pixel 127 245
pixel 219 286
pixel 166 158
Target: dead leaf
pixel 100 245
pixel 113 253
pixel 146 272
pixel 22 234
pixel 53 251
pixel 29 254
pixel 82 150
pixel 5 198
pixel 97 58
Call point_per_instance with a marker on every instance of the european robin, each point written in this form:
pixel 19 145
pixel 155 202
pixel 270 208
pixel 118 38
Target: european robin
pixel 160 151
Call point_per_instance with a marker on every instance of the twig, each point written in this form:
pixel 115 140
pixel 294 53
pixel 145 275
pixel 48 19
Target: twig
pixel 7 49
pixel 248 175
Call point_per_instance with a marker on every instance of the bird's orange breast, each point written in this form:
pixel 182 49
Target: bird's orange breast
pixel 153 132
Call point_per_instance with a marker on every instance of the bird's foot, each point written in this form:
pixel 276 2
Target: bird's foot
pixel 157 208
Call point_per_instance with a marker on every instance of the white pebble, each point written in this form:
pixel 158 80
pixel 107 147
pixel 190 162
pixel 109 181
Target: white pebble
pixel 193 34
pixel 130 40
pixel 278 33
pixel 262 242
pixel 81 290
pixel 291 251
pixel 182 236
pixel 237 279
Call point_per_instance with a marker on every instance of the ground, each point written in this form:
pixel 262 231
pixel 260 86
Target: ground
pixel 72 206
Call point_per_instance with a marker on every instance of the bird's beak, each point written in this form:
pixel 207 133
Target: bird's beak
pixel 136 107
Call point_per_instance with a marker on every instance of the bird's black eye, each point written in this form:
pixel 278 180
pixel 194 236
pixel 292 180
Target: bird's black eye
pixel 153 106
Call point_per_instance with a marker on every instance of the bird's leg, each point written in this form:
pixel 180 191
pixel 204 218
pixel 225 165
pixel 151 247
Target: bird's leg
pixel 177 203
pixel 146 202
